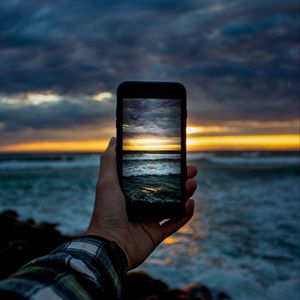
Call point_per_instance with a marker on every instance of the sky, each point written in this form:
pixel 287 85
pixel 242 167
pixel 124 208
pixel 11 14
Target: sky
pixel 151 124
pixel 61 62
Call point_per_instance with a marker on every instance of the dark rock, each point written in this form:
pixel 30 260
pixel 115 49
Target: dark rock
pixel 176 294
pixel 9 214
pixel 22 241
pixel 139 285
pixel 198 291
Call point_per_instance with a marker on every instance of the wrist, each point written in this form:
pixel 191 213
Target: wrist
pixel 107 238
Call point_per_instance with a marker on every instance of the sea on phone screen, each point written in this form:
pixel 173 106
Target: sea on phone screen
pixel 152 177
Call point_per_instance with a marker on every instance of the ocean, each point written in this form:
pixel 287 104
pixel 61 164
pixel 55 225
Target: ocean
pixel 244 237
pixel 152 177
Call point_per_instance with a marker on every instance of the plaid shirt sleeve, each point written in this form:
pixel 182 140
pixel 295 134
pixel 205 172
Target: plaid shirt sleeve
pixel 85 268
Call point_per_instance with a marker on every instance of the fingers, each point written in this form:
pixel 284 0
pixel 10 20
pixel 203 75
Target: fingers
pixel 190 187
pixel 191 171
pixel 172 226
pixel 108 167
pixel 191 184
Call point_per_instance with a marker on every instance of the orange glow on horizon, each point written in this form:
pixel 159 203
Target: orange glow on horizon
pixel 151 143
pixel 246 142
pixel 197 143
pixel 49 146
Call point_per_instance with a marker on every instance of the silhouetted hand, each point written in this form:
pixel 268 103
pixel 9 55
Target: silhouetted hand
pixel 109 220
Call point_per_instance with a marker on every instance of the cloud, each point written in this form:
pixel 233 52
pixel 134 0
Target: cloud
pixel 151 117
pixel 55 114
pixel 239 59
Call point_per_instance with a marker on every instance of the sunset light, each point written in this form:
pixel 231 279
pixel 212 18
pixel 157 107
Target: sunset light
pixel 204 129
pixel 30 99
pixel 50 146
pixel 102 96
pixel 199 143
pixel 38 98
pixel 158 144
pixel 256 142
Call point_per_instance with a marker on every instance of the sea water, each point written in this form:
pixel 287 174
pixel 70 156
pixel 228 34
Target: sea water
pixel 152 177
pixel 244 237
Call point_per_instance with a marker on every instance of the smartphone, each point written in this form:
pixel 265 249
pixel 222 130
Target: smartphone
pixel 151 147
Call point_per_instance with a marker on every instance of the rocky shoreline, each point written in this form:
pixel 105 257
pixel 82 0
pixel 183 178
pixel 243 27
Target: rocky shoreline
pixel 22 241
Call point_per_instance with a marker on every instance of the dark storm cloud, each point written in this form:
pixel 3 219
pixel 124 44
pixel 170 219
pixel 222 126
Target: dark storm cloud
pixel 62 114
pixel 239 59
pixel 151 117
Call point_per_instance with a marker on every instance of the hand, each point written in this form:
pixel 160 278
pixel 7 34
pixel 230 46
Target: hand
pixel 109 219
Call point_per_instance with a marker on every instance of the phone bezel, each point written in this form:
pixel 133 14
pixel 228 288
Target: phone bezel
pixel 160 90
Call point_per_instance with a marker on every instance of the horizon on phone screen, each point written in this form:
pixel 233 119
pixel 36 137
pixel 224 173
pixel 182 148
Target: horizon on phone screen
pixel 151 165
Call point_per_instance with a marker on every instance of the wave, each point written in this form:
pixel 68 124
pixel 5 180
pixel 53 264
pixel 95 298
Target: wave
pixel 63 162
pixel 134 173
pixel 253 158
pixel 133 168
pixel 152 188
pixel 152 161
pixel 145 169
pixel 74 161
pixel 151 156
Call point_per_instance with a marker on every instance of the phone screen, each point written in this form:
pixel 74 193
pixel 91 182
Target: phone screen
pixel 151 150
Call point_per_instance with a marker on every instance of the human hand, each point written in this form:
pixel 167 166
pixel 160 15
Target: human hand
pixel 109 220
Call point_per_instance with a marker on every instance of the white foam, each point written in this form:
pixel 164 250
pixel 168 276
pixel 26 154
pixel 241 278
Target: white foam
pixel 147 172
pixel 78 162
pixel 141 168
pixel 289 289
pixel 150 156
pixel 237 285
pixel 251 158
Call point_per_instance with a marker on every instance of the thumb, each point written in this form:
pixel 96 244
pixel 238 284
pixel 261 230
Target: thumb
pixel 108 167
pixel 172 226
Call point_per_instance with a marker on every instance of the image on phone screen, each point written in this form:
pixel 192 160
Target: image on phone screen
pixel 152 150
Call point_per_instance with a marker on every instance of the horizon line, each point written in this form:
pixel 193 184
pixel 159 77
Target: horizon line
pixel 278 142
pixel 188 151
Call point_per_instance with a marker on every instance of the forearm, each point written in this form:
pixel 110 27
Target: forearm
pixel 85 268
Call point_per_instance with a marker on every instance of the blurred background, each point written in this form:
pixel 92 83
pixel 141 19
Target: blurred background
pixel 61 62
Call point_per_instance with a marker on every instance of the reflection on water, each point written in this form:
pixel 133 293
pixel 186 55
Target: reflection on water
pixel 186 240
pixel 187 229
pixel 160 262
pixel 175 239
pixel 189 233
pixel 150 189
